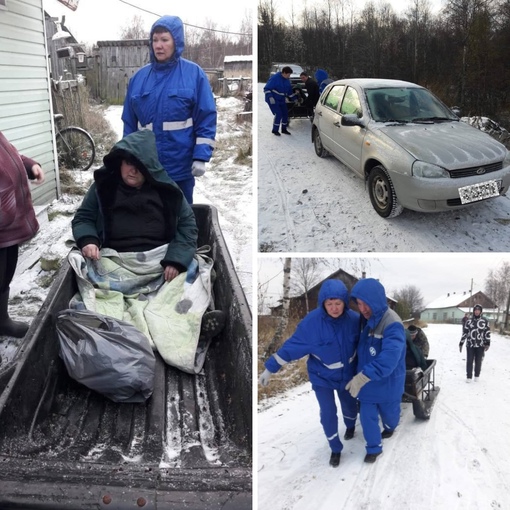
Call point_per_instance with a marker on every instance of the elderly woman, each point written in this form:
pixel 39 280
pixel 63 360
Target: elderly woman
pixel 134 206
pixel 18 223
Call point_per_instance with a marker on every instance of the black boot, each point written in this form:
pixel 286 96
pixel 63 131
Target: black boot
pixel 212 323
pixel 286 132
pixel 8 327
pixel 277 133
pixel 349 434
pixel 334 460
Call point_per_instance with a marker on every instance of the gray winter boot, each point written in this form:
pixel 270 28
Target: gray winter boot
pixel 8 327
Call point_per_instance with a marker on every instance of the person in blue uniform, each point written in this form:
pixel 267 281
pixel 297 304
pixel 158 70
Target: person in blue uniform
pixel 276 91
pixel 329 336
pixel 379 383
pixel 172 97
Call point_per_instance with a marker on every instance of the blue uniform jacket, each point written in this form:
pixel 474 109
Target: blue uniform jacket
pixel 382 346
pixel 278 88
pixel 330 343
pixel 174 100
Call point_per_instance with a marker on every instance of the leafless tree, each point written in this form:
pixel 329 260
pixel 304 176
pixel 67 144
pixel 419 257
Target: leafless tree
pixel 497 287
pixel 306 273
pixel 410 300
pixel 276 341
pixel 135 29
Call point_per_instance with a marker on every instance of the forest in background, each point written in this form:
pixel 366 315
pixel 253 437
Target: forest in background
pixel 462 54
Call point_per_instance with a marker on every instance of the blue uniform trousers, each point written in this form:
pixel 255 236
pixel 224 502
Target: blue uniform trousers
pixel 187 186
pixel 329 419
pixel 369 417
pixel 281 114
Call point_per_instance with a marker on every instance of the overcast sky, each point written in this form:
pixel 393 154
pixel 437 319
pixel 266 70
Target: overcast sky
pixel 435 274
pixel 97 20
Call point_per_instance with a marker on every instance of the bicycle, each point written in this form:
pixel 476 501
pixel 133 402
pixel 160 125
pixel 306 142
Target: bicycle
pixel 75 147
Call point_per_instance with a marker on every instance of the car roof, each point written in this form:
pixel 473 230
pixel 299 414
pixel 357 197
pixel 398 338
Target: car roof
pixel 376 83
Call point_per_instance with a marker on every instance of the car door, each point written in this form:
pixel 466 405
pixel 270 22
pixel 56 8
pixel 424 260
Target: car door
pixel 328 114
pixel 348 140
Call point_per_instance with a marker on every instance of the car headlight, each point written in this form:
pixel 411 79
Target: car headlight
pixel 422 169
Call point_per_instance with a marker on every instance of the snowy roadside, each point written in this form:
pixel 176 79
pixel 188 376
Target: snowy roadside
pixel 226 185
pixel 309 204
pixel 456 460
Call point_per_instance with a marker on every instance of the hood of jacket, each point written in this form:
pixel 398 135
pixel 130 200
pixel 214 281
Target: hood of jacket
pixel 320 75
pixel 141 146
pixel 175 26
pixel 371 292
pixel 333 289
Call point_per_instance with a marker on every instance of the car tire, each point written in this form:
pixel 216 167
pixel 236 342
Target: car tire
pixel 317 143
pixel 382 193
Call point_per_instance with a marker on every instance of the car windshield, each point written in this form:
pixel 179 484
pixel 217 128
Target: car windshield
pixel 392 104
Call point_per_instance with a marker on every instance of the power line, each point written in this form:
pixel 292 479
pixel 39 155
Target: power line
pixel 186 24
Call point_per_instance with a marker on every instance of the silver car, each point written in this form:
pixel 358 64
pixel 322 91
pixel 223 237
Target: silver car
pixel 410 148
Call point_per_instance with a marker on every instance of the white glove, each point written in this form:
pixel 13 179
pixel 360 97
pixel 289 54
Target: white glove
pixel 356 383
pixel 264 377
pixel 271 100
pixel 198 168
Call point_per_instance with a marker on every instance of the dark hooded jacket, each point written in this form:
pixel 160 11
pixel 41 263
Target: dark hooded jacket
pixel 175 222
pixel 18 222
pixel 330 343
pixel 382 346
pixel 174 99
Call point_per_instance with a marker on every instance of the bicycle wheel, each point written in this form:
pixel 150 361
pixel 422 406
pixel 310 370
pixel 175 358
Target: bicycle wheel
pixel 76 149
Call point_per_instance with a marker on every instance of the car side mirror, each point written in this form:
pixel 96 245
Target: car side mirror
pixel 352 119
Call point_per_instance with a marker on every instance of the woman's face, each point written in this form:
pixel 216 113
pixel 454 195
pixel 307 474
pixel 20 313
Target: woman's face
pixel 334 307
pixel 131 175
pixel 163 46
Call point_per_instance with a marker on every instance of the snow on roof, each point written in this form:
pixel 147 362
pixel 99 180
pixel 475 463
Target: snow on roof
pixel 238 58
pixel 449 300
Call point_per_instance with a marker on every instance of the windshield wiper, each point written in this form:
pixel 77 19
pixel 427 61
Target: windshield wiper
pixel 397 121
pixel 432 119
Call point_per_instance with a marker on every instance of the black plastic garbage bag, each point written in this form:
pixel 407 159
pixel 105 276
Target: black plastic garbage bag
pixel 107 355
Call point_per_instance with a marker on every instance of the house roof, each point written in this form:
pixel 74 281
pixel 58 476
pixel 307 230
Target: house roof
pixel 462 300
pixel 449 300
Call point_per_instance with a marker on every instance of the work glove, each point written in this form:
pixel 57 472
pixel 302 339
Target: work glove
pixel 271 100
pixel 460 346
pixel 356 383
pixel 264 377
pixel 198 168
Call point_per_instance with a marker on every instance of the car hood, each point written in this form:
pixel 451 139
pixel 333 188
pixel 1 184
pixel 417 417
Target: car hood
pixel 448 144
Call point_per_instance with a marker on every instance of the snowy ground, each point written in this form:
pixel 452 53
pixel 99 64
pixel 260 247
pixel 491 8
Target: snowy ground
pixel 226 185
pixel 459 459
pixel 309 204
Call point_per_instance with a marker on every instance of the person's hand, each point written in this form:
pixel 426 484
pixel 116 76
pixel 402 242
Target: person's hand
pixel 460 346
pixel 91 251
pixel 486 348
pixel 170 273
pixel 38 173
pixel 356 383
pixel 271 100
pixel 198 168
pixel 264 377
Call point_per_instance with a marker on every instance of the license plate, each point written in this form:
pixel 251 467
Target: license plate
pixel 480 191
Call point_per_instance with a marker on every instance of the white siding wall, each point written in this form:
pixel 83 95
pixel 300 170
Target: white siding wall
pixel 25 104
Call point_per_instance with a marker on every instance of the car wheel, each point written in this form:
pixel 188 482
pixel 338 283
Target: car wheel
pixel 317 143
pixel 382 193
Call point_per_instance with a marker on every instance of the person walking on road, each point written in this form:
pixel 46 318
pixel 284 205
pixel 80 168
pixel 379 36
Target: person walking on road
pixel 328 335
pixel 476 335
pixel 379 383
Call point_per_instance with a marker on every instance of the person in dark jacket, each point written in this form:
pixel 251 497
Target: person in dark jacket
pixel 18 223
pixel 323 79
pixel 414 355
pixel 172 97
pixel 379 383
pixel 419 338
pixel 476 334
pixel 329 336
pixel 134 206
pixel 276 91
pixel 312 92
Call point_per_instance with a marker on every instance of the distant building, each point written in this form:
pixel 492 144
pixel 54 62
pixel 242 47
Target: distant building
pixel 238 66
pixel 451 307
pixel 297 307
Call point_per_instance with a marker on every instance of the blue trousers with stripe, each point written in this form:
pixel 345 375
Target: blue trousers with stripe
pixel 281 114
pixel 369 416
pixel 328 413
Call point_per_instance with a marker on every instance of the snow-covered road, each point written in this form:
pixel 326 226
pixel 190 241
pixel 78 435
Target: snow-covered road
pixel 309 204
pixel 457 460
